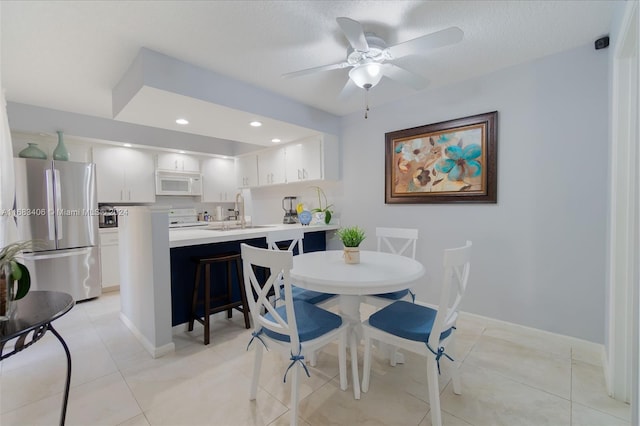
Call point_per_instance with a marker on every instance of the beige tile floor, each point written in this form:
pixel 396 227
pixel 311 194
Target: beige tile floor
pixel 510 376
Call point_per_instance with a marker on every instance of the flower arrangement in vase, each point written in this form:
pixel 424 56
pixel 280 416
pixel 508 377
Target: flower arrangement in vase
pixel 322 213
pixel 351 238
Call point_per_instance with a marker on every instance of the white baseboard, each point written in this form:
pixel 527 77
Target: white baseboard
pixel 154 351
pixel 596 347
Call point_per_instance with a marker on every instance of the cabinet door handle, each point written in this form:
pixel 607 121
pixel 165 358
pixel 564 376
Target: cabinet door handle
pixel 129 195
pixel 122 195
pixel 299 174
pixel 304 173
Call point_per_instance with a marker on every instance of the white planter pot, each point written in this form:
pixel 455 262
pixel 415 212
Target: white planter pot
pixel 352 255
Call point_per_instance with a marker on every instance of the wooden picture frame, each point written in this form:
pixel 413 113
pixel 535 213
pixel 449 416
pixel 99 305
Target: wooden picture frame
pixel 449 162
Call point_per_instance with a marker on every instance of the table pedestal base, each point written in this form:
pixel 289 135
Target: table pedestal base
pixel 350 310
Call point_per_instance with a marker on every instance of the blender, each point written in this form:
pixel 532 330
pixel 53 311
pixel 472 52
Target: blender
pixel 289 205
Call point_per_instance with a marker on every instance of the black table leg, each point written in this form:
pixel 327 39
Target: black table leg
pixel 65 399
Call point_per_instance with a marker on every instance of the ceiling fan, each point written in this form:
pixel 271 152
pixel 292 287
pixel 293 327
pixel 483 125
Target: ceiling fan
pixel 370 58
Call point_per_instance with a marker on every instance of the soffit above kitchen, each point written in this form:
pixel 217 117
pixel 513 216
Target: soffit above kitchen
pixel 158 89
pixel 69 56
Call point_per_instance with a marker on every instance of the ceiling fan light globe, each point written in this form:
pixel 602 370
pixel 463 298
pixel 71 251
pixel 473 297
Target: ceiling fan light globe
pixel 366 76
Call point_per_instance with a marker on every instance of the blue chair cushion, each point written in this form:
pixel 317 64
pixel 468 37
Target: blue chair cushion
pixel 312 321
pixel 407 320
pixel 396 295
pixel 309 296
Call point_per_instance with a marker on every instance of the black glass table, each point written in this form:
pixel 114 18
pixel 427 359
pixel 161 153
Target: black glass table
pixel 33 316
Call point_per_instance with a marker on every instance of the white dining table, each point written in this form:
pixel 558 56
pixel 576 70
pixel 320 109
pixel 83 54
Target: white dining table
pixel 377 272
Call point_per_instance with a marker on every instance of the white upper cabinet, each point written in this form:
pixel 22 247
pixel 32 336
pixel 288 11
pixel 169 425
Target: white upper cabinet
pixel 219 180
pixel 271 166
pixel 247 171
pixel 314 158
pixel 178 162
pixel 124 175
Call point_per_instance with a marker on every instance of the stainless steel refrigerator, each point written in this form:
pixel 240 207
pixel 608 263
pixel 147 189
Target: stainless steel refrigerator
pixel 56 204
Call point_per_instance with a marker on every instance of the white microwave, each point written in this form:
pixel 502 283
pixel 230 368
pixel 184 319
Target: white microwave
pixel 178 183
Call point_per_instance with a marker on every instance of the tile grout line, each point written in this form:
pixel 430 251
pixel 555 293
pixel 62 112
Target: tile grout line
pixel 571 387
pixel 93 328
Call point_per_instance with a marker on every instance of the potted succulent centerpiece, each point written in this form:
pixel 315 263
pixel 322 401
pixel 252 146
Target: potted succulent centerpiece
pixel 351 238
pixel 14 277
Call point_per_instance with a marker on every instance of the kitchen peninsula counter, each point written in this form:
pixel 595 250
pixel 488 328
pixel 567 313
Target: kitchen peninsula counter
pixel 183 237
pixel 157 270
pixel 188 244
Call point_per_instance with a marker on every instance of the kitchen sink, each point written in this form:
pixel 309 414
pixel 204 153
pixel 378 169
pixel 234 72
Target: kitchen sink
pixel 235 227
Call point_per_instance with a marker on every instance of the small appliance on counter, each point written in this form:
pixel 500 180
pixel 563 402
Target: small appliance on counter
pixel 289 205
pixel 184 218
pixel 108 217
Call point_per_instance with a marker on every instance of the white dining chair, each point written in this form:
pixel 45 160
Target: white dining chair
pixel 296 237
pixel 295 328
pixel 400 241
pixel 424 330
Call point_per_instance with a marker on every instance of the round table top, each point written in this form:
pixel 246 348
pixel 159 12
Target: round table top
pixel 34 310
pixel 377 272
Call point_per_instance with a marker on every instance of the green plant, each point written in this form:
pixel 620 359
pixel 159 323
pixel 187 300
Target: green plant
pixel 18 273
pixel 326 209
pixel 351 236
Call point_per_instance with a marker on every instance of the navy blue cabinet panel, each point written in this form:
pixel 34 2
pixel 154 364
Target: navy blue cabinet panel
pixel 183 270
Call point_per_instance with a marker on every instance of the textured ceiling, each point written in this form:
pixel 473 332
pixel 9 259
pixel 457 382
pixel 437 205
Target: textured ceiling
pixel 69 55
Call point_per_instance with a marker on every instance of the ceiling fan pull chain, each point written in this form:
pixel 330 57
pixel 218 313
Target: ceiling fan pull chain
pixel 366 104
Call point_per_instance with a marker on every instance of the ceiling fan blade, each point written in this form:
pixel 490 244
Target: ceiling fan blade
pixel 404 76
pixel 349 89
pixel 316 69
pixel 440 38
pixel 354 33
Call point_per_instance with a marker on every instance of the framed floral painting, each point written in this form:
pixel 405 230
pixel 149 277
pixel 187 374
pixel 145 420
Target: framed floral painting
pixel 449 162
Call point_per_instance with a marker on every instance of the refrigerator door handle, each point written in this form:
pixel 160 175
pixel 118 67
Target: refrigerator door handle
pixel 56 255
pixel 58 203
pixel 50 206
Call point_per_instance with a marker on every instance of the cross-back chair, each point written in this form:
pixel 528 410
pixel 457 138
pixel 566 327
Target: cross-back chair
pixel 424 330
pixel 295 328
pixel 275 240
pixel 400 241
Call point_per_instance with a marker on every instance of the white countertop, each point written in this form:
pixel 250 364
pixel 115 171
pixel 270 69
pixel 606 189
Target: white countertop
pixel 182 237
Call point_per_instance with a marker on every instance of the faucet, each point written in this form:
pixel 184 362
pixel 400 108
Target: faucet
pixel 240 203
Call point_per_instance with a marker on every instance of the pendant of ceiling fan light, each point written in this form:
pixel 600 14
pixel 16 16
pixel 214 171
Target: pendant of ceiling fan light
pixel 366 75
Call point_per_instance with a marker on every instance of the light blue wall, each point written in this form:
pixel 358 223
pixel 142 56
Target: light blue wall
pixel 539 253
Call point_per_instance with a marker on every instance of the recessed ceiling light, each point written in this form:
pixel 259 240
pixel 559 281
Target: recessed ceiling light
pixel 182 121
pixel 275 140
pixel 128 145
pixel 181 152
pixel 255 124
